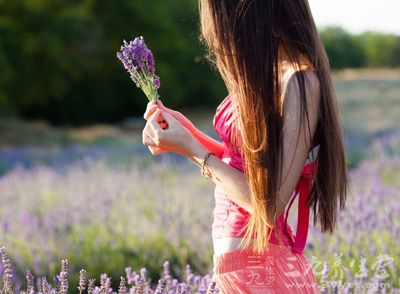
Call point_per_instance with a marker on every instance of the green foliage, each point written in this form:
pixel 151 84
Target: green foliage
pixel 343 50
pixel 58 58
pixel 368 49
pixel 381 50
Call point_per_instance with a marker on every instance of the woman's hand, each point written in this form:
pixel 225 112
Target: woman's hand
pixel 174 138
pixel 153 106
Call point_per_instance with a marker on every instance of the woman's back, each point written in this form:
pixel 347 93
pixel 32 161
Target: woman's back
pixel 230 218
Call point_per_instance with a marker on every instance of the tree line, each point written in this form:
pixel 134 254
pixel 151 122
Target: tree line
pixel 58 58
pixel 369 49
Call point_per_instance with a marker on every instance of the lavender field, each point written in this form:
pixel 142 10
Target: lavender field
pixel 102 202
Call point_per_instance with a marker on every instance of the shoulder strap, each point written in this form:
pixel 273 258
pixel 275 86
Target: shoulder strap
pixel 303 187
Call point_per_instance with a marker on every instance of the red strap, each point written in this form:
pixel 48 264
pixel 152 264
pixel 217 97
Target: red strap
pixel 286 217
pixel 303 190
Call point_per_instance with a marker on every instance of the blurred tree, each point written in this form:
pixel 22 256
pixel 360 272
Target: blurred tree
pixel 58 58
pixel 343 50
pixel 368 49
pixel 381 49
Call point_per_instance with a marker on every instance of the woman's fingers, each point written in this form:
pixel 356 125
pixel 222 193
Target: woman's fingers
pixel 157 150
pixel 168 117
pixel 151 107
pixel 161 106
pixel 151 131
pixel 159 103
pixel 147 137
pixel 154 122
pixel 148 141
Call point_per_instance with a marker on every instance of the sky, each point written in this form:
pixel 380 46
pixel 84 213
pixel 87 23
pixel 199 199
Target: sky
pixel 357 16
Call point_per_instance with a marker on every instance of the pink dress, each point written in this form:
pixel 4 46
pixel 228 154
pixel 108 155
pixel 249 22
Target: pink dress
pixel 283 268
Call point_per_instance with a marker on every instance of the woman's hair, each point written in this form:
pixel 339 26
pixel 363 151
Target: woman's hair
pixel 245 40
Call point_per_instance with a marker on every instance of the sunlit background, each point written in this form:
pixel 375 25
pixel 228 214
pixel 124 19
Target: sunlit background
pixel 77 183
pixel 358 16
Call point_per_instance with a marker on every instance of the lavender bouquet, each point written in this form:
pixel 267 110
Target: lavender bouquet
pixel 139 62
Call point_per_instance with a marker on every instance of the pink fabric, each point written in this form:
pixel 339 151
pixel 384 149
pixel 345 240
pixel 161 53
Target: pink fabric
pixel 277 270
pixel 291 269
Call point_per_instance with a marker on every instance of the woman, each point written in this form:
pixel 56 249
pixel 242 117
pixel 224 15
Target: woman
pixel 281 105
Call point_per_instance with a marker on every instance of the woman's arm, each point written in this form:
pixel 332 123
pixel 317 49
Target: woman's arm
pixel 230 179
pixel 234 182
pixel 209 143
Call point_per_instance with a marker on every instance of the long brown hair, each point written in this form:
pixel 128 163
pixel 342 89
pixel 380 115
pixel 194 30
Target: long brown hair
pixel 245 40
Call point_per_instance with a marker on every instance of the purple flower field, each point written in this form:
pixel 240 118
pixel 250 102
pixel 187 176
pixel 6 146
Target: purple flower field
pixel 116 215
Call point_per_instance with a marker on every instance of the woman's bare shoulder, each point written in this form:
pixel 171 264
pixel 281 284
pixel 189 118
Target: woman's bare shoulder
pixel 312 88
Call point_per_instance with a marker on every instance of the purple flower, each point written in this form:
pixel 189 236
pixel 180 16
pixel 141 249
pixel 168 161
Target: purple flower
pixel 30 284
pixel 82 280
pixel 157 82
pixel 64 277
pixel 7 272
pixel 122 286
pixel 139 62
